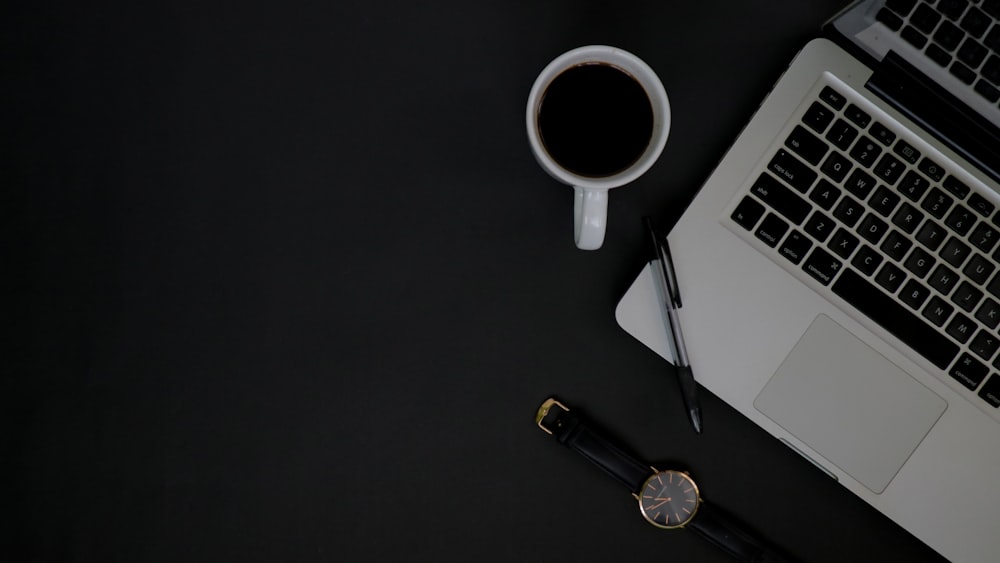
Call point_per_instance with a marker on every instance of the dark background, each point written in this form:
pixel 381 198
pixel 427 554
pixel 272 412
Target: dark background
pixel 283 282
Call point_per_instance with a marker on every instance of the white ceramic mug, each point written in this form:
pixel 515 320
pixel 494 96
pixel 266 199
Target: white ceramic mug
pixel 590 206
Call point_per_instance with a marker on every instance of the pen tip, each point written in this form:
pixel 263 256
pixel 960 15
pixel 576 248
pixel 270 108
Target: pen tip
pixel 696 421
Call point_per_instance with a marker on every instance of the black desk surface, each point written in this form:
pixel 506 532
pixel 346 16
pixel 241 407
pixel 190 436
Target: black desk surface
pixel 283 282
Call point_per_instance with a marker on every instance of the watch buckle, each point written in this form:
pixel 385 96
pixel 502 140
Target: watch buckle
pixel 543 412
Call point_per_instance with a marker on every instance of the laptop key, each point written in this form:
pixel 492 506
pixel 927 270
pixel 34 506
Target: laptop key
pixel 984 237
pixel 913 186
pixel 843 243
pixel 989 313
pixel 882 134
pixel 858 116
pixel 984 345
pixel 925 19
pixel 907 218
pixel 889 169
pixel 972 53
pixel 961 328
pixel 895 318
pixel 955 252
pixel 771 229
pixel 991 391
pixel 884 201
pixel 960 219
pixel 948 35
pixel 955 186
pixel 981 205
pixel 806 145
pixel 822 266
pixel 842 134
pixel 931 235
pixel 792 171
pixel 867 260
pixel 913 37
pixel 986 90
pixel 832 97
pixel 967 296
pixel 818 117
pixel 960 71
pixel 991 70
pixel 952 8
pixel 896 245
pixel 795 247
pixel 819 226
pixel 747 213
pixel 849 211
pixel 860 184
pixel 975 22
pixel 914 294
pixel 943 279
pixel 906 151
pixel 865 151
pixel 931 168
pixel 901 7
pixel 937 203
pixel 919 262
pixel 937 311
pixel 891 277
pixel 780 198
pixel 824 194
pixel 937 54
pixel 969 371
pixel 979 269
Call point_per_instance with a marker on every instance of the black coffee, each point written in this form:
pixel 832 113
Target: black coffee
pixel 595 120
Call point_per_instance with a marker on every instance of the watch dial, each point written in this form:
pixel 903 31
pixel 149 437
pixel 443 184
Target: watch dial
pixel 669 499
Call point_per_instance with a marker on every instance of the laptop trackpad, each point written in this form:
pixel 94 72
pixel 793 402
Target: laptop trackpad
pixel 849 403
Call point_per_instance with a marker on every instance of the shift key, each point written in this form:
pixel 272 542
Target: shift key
pixel 780 198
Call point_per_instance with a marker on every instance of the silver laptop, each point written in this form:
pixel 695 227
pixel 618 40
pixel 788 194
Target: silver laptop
pixel 840 269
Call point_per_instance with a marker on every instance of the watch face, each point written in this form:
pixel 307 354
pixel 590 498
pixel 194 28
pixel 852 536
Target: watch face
pixel 669 499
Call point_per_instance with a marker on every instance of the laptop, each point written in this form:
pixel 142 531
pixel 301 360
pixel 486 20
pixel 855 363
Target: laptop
pixel 840 268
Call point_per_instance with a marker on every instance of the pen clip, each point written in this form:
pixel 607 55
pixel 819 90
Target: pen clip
pixel 661 252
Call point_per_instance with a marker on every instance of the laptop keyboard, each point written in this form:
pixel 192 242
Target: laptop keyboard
pixel 960 35
pixel 888 228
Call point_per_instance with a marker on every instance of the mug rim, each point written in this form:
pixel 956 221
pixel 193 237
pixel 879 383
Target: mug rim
pixel 646 78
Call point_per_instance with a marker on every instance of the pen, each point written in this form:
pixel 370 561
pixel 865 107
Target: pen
pixel 671 303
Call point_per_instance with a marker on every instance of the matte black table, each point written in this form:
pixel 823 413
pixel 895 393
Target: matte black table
pixel 283 282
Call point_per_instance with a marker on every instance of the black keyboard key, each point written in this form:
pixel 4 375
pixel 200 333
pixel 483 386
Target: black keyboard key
pixel 832 97
pixel 925 19
pixel 960 219
pixel 872 228
pixel 907 218
pixel 806 145
pixel 931 168
pixel 989 313
pixel 955 252
pixel 901 7
pixel 818 117
pixel 860 184
pixel 842 134
pixel 867 260
pixel 865 151
pixel 906 151
pixel 914 294
pixel 919 262
pixel 819 226
pixel 979 269
pixel 948 35
pixel 986 90
pixel 913 186
pixel 913 37
pixel 962 72
pixel 884 201
pixel 992 39
pixel 889 19
pixel 822 266
pixel 984 345
pixel 747 213
pixel 895 318
pixel 956 187
pixel 781 198
pixel 849 211
pixel 771 229
pixel 994 286
pixel 944 279
pixel 931 235
pixel 795 247
pixel 981 205
pixel 969 371
pixel 976 22
pixel 937 203
pixel 890 277
pixel 882 134
pixel 824 194
pixel 967 296
pixel 939 55
pixel 961 328
pixel 889 169
pixel 843 243
pixel 836 166
pixel 991 391
pixel 992 7
pixel 991 69
pixel 972 53
pixel 896 245
pixel 792 171
pixel 858 116
pixel 984 237
pixel 937 311
pixel 952 8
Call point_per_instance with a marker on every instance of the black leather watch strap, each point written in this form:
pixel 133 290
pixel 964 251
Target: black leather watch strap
pixel 726 533
pixel 575 433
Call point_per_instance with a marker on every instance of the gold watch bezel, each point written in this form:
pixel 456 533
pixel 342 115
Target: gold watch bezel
pixel 658 474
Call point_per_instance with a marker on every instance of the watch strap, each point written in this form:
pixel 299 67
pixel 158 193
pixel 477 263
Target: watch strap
pixel 726 533
pixel 576 433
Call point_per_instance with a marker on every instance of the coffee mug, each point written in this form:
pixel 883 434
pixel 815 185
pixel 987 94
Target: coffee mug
pixel 598 118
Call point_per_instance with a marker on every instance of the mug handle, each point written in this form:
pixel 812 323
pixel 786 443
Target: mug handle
pixel 590 208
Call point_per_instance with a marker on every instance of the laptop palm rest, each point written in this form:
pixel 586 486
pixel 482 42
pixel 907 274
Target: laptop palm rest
pixel 850 404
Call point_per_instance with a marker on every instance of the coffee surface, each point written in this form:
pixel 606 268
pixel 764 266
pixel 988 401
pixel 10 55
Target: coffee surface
pixel 595 120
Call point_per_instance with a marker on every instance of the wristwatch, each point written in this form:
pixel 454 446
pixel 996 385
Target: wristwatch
pixel 667 499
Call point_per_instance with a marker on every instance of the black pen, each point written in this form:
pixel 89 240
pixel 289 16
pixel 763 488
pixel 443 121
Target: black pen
pixel 671 303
